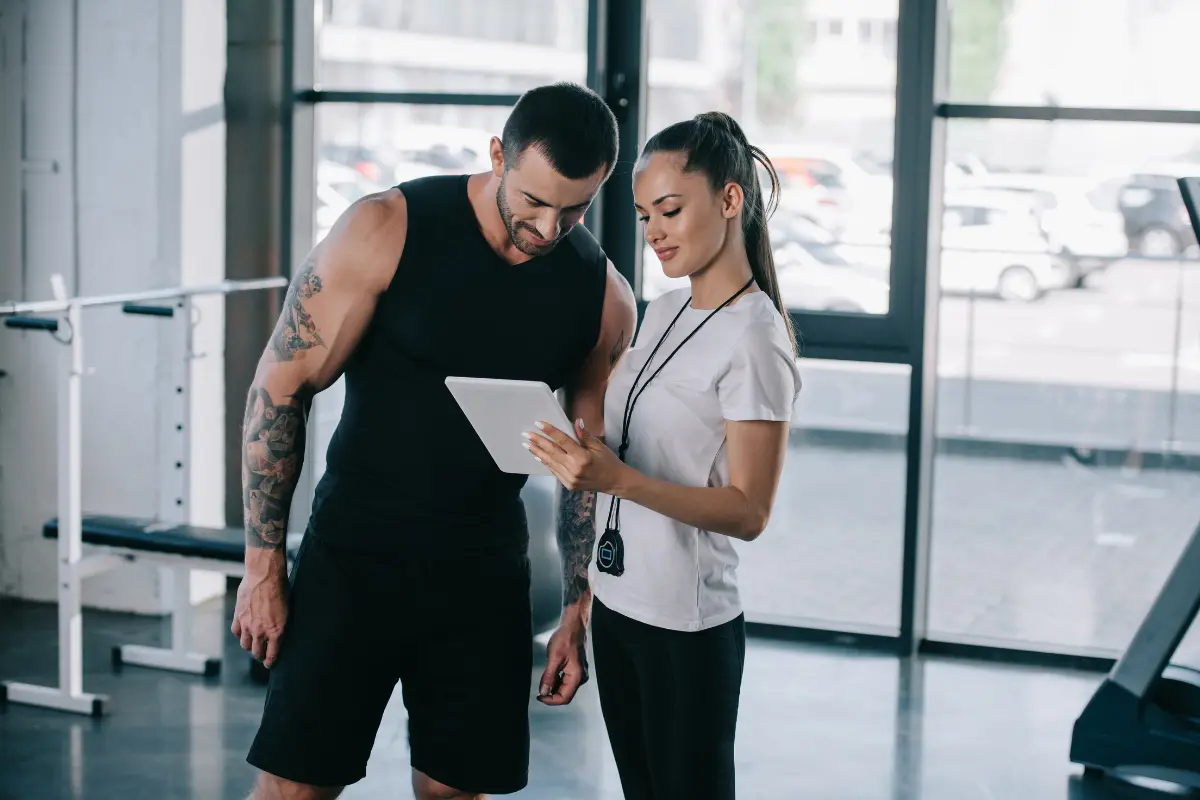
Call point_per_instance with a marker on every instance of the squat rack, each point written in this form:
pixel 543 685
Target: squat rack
pixel 72 567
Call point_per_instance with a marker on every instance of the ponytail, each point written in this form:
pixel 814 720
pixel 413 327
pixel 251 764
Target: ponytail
pixel 715 144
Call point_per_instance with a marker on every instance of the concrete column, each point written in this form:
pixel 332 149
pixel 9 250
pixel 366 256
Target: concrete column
pixel 254 229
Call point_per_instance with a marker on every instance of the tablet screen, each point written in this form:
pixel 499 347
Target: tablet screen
pixel 501 410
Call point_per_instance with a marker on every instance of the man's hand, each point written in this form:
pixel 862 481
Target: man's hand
pixel 566 660
pixel 261 613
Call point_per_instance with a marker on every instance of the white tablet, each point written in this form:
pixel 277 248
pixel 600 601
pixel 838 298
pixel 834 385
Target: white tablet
pixel 501 410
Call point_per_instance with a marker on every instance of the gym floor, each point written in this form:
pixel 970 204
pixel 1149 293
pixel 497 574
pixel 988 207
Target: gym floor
pixel 815 723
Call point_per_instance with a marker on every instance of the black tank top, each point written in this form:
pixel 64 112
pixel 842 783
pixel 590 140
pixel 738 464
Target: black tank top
pixel 404 469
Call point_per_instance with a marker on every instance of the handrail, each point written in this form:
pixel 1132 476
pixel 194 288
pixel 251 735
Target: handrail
pixel 224 287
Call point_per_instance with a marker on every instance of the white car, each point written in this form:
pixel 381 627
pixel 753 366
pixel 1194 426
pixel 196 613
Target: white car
pixel 1086 232
pixel 811 277
pixel 993 244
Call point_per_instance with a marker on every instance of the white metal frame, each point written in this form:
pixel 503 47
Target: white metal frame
pixel 73 567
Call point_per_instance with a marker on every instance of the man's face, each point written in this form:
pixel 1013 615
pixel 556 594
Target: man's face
pixel 538 205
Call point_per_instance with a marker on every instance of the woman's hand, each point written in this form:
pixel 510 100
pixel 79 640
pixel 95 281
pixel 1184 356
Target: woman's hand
pixel 585 467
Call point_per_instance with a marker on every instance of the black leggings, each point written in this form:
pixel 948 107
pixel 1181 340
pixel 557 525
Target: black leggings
pixel 670 702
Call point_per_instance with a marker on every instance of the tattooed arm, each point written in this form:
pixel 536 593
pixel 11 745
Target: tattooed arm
pixel 585 400
pixel 327 308
pixel 566 668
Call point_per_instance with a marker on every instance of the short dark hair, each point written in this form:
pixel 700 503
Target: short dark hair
pixel 569 124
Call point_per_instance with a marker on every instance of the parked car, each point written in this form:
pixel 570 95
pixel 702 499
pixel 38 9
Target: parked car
pixel 812 274
pixel 1156 220
pixel 1081 222
pixel 993 244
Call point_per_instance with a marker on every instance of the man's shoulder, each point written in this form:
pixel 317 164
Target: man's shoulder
pixel 369 238
pixel 434 189
pixel 585 247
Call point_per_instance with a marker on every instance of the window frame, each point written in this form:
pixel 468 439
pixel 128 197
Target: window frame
pixel 617 63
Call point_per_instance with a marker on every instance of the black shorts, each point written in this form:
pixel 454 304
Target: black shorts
pixel 455 632
pixel 670 703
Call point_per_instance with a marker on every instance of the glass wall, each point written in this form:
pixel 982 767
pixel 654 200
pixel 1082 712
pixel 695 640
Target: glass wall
pixel 1067 474
pixel 498 46
pixel 366 147
pixel 1098 53
pixel 831 555
pixel 814 85
pixel 1056 332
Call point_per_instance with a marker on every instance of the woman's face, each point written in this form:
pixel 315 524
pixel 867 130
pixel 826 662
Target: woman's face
pixel 687 223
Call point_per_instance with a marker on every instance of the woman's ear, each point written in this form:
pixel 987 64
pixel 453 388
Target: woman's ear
pixel 732 199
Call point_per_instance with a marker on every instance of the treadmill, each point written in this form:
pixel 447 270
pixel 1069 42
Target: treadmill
pixel 1144 720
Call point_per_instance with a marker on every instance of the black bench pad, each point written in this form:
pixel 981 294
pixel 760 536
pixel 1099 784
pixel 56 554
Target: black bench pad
pixel 192 541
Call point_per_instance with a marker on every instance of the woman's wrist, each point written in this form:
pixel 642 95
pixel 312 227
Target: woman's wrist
pixel 626 482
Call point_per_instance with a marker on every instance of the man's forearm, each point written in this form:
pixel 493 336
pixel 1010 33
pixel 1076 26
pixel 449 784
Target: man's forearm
pixel 576 537
pixel 273 431
pixel 272 456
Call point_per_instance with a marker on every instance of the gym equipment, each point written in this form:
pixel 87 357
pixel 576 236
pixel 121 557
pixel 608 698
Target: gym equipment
pixel 133 540
pixel 1144 720
pixel 168 540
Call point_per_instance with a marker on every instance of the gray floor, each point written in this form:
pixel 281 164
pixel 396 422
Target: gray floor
pixel 815 724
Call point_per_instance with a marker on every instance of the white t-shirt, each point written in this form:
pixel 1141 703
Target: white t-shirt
pixel 739 366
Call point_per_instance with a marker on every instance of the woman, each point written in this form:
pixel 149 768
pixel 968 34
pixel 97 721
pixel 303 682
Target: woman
pixel 698 411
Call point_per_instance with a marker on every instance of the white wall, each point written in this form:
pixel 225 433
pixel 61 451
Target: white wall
pixel 127 100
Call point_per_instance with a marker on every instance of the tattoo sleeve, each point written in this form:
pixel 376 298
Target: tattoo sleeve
pixel 577 522
pixel 295 331
pixel 576 536
pixel 273 431
pixel 272 455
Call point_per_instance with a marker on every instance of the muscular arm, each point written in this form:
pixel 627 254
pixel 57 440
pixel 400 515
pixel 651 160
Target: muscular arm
pixel 327 307
pixel 756 452
pixel 585 400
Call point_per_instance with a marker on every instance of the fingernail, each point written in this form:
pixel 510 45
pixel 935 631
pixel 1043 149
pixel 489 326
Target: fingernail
pixel 526 446
pixel 526 434
pixel 581 422
pixel 540 426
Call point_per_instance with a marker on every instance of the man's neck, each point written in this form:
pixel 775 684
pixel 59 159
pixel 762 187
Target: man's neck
pixel 481 191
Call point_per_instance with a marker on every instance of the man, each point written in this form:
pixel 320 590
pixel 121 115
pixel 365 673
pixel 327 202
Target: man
pixel 414 566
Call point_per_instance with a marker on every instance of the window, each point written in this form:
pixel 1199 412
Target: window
pixel 365 148
pixel 504 47
pixel 831 554
pixel 1068 371
pixel 1119 53
pixel 826 124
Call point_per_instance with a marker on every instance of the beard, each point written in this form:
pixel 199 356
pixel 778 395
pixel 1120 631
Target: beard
pixel 514 228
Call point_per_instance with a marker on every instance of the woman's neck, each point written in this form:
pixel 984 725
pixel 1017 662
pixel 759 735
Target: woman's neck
pixel 714 284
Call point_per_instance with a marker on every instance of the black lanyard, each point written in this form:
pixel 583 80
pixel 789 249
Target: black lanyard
pixel 613 525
